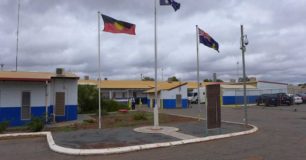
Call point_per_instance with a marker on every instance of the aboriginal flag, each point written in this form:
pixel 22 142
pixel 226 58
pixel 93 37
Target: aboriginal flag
pixel 115 26
pixel 207 40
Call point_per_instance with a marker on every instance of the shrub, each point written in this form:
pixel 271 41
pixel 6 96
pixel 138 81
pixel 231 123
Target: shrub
pixel 140 116
pixel 103 112
pixel 89 103
pixel 113 106
pixel 3 126
pixel 89 121
pixel 87 98
pixel 36 124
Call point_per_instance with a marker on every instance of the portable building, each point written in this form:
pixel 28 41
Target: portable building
pixel 25 95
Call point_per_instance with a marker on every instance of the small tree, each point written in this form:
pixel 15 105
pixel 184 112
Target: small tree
pixel 219 80
pixel 147 79
pixel 173 79
pixel 207 80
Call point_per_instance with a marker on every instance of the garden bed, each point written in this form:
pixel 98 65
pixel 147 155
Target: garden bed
pixel 119 119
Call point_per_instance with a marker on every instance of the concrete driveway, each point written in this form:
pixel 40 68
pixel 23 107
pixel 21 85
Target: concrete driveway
pixel 281 135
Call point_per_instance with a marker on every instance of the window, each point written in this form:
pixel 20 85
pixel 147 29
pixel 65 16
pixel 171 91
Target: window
pixel 26 105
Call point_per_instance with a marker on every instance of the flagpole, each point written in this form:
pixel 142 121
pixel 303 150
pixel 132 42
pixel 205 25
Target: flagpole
pixel 198 79
pixel 17 46
pixel 198 66
pixel 99 79
pixel 156 123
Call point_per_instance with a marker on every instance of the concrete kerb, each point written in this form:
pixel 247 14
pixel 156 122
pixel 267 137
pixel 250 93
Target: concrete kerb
pixel 71 151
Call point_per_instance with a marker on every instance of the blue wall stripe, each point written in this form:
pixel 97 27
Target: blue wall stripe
pixel 13 114
pixel 229 100
pixel 170 103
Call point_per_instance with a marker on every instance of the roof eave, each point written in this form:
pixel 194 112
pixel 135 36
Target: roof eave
pixel 25 79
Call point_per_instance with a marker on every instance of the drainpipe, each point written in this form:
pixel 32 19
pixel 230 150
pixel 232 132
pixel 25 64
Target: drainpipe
pixel 46 101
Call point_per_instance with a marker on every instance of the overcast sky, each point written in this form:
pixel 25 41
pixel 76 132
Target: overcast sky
pixel 63 33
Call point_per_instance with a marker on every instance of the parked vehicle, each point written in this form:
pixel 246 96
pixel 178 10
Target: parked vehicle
pixel 194 98
pixel 274 99
pixel 303 95
pixel 284 99
pixel 267 99
pixel 296 99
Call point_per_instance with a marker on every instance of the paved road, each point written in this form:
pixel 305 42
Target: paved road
pixel 281 136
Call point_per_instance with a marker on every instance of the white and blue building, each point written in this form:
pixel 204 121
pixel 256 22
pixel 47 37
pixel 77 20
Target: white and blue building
pixel 233 93
pixel 26 95
pixel 170 95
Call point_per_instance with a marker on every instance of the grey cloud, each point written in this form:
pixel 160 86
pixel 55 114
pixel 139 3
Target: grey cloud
pixel 63 33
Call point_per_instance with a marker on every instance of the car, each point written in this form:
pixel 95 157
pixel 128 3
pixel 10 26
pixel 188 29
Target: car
pixel 283 98
pixel 303 95
pixel 267 99
pixel 296 99
pixel 276 99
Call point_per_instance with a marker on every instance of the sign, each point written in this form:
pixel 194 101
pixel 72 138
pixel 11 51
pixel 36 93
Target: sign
pixel 213 106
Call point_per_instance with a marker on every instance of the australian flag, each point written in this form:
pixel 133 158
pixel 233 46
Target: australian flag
pixel 207 40
pixel 174 4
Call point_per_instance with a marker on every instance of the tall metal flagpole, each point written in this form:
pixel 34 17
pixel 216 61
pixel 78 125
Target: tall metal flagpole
pixel 99 79
pixel 156 123
pixel 198 68
pixel 244 77
pixel 17 47
pixel 198 77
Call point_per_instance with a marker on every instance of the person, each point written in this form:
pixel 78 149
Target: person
pixel 133 103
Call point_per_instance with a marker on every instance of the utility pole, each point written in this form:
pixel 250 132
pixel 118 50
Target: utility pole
pixel 244 42
pixel 17 39
pixel 162 74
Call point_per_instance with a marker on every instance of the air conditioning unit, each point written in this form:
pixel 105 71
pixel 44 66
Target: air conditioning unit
pixel 59 71
pixel 86 77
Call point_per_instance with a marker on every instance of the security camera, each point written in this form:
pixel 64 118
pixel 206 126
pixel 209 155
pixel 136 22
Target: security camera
pixel 246 41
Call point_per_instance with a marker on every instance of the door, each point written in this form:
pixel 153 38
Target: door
pixel 178 101
pixel 26 105
pixel 60 103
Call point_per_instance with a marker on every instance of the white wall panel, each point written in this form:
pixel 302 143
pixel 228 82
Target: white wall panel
pixel 171 94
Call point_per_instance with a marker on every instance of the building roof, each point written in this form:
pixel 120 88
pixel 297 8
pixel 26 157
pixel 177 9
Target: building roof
pixel 194 85
pixel 128 84
pixel 138 84
pixel 166 86
pixel 226 86
pixel 33 76
pixel 255 82
pixel 87 82
pixel 273 82
pixel 120 84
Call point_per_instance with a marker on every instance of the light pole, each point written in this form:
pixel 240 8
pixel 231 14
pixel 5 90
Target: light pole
pixel 244 42
pixel 237 71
